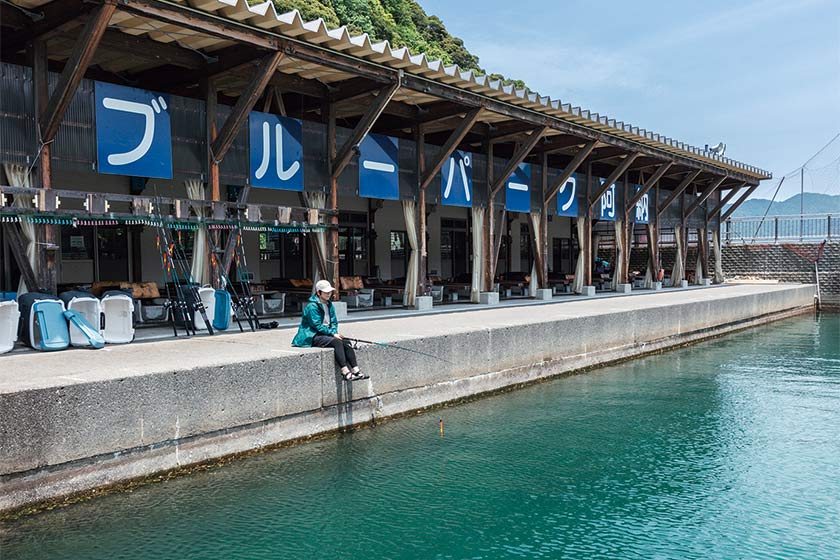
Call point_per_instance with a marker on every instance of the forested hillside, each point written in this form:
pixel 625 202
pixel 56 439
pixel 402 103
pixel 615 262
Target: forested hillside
pixel 403 23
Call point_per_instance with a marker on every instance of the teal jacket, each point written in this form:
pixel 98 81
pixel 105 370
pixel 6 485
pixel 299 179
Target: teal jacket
pixel 312 323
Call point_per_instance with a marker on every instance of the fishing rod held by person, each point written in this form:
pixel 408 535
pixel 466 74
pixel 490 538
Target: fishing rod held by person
pixel 396 347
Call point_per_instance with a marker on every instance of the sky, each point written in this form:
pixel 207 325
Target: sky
pixel 762 76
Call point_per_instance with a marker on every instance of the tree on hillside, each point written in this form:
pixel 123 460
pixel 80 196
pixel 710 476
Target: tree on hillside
pixel 403 23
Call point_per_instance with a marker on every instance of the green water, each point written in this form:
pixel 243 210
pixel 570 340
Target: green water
pixel 726 449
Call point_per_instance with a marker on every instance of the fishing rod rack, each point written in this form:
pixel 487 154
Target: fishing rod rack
pixel 84 208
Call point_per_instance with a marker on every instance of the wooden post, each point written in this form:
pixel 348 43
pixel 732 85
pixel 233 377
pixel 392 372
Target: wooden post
pixel 587 241
pixel 420 139
pixel 544 225
pixel 208 85
pixel 45 235
pixel 333 203
pixel 491 217
pixel 703 244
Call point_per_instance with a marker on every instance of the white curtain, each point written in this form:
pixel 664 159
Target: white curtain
pixel 318 200
pixel 200 269
pixel 410 212
pixel 618 268
pixel 477 254
pixel 677 273
pixel 718 278
pixel 698 266
pixel 577 286
pixel 535 224
pixel 18 176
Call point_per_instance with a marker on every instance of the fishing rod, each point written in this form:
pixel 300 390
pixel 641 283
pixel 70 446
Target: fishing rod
pixel 191 288
pixel 243 274
pixel 180 307
pixel 237 300
pixel 394 346
pixel 180 256
pixel 171 303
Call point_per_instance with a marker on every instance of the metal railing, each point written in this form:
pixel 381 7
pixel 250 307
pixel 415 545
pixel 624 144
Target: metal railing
pixel 809 228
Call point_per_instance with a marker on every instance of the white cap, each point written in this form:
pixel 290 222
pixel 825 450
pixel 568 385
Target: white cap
pixel 323 286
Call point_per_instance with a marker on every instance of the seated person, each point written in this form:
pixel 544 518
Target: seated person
pixel 319 328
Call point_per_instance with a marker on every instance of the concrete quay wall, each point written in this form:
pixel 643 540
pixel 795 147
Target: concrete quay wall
pixel 127 416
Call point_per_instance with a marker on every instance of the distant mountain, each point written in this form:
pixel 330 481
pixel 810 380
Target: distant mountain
pixel 814 203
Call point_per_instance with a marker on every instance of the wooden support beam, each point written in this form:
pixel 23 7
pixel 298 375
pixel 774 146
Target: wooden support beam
pixel 570 169
pixel 618 172
pixel 509 131
pixel 649 184
pixel 704 195
pixel 420 143
pixel 559 143
pixel 518 157
pixel 725 200
pixel 351 89
pixel 451 144
pixel 151 50
pixel 74 70
pixel 244 105
pixel 678 191
pixel 231 60
pixel 607 154
pixel 210 24
pixel 362 128
pixel 739 202
pixel 14 237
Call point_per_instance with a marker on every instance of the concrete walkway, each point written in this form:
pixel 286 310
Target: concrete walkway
pixel 37 370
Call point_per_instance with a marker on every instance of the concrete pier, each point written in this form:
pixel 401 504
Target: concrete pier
pixel 76 420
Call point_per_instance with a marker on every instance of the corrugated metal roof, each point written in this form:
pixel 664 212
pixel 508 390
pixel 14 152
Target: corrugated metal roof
pixel 264 16
pixel 290 24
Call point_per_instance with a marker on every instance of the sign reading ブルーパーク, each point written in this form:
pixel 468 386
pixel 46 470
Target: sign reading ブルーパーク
pixel 276 152
pixel 456 179
pixel 379 175
pixel 607 203
pixel 133 134
pixel 518 189
pixel 641 214
pixel 567 204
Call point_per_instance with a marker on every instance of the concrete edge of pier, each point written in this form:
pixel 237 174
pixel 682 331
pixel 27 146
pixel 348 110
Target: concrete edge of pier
pixel 64 441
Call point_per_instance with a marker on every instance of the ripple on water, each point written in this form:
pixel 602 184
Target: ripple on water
pixel 726 449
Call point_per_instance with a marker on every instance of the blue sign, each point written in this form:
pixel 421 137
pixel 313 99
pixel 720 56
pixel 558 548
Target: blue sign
pixel 379 175
pixel 607 204
pixel 518 189
pixel 133 133
pixel 642 215
pixel 567 203
pixel 276 152
pixel 456 177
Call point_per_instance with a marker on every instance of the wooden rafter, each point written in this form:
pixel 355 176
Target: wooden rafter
pixel 362 128
pixel 739 202
pixel 582 154
pixel 649 184
pixel 678 191
pixel 74 70
pixel 725 200
pixel 618 172
pixel 518 157
pixel 704 195
pixel 244 105
pixel 451 144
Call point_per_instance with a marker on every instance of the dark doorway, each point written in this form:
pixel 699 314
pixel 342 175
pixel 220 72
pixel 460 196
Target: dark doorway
pixel 454 248
pixel 353 244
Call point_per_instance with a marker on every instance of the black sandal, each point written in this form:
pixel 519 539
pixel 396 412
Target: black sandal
pixel 359 375
pixel 349 376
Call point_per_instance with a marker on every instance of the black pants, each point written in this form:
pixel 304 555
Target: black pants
pixel 344 353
